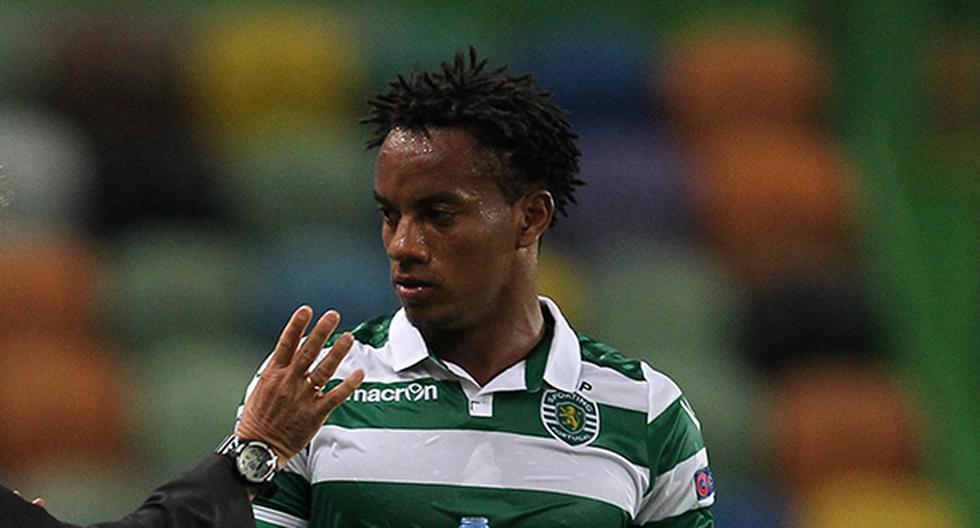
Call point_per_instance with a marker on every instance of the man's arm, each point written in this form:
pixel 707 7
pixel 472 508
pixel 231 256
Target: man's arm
pixel 209 494
pixel 682 487
pixel 16 512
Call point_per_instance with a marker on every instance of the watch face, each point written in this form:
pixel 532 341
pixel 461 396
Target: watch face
pixel 256 463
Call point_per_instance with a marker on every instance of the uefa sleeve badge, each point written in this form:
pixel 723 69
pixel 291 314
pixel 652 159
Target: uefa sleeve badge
pixel 704 483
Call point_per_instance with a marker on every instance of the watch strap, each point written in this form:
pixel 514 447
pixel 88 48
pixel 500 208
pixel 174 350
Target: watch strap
pixel 228 446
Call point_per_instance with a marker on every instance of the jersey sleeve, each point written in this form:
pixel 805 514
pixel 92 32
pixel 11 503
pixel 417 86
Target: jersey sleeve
pixel 289 505
pixel 681 486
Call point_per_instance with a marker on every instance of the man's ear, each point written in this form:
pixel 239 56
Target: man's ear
pixel 536 208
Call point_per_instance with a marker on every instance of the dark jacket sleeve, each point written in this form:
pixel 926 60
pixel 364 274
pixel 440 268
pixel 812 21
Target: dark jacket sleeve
pixel 16 512
pixel 207 496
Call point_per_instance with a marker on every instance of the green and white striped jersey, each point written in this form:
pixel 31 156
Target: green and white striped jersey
pixel 574 435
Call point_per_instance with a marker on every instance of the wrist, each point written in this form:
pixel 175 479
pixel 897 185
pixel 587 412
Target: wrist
pixel 255 462
pixel 282 454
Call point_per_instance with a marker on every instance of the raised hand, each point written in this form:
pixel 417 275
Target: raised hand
pixel 288 406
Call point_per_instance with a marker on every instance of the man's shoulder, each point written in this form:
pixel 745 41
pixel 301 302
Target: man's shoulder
pixel 627 375
pixel 603 355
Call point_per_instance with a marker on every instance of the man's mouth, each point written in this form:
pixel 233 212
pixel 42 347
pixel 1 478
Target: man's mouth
pixel 411 289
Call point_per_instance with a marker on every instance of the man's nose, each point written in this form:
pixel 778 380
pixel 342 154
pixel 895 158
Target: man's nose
pixel 407 243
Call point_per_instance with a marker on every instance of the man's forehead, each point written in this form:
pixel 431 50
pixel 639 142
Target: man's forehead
pixel 421 188
pixel 409 140
pixel 425 140
pixel 415 163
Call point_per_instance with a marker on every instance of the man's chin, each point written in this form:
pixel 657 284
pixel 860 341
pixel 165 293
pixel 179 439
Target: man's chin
pixel 417 315
pixel 426 317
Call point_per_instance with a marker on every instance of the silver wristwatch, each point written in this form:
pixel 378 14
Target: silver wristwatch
pixel 255 461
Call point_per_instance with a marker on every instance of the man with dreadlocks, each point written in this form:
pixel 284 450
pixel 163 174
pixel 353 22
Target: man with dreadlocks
pixel 479 399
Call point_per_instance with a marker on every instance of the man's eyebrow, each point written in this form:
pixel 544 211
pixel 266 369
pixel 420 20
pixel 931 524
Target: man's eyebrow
pixel 440 197
pixel 435 198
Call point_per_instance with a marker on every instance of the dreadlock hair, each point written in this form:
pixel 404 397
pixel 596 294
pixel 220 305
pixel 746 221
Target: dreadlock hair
pixel 509 116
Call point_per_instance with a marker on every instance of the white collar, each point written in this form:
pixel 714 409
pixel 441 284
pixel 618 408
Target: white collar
pixel 564 364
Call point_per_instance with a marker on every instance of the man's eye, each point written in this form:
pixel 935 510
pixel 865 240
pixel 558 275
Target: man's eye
pixel 440 216
pixel 388 215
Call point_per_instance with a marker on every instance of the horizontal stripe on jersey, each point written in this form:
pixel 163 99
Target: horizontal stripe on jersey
pixel 476 458
pixel 270 517
pixel 514 412
pixel 356 504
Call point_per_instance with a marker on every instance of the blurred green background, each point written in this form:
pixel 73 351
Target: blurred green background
pixel 782 213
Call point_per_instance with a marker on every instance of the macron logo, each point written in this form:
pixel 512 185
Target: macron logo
pixel 412 393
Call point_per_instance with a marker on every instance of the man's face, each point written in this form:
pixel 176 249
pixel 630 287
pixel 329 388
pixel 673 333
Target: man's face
pixel 450 235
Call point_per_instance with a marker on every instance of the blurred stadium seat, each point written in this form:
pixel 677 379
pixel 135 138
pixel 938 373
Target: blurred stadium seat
pixel 663 294
pixel 301 178
pixel 752 504
pixel 84 492
pixel 177 281
pixel 63 398
pixel 400 36
pixel 954 85
pixel 121 88
pixel 726 73
pixel 190 387
pixel 875 501
pixel 832 419
pixel 249 68
pixel 562 278
pixel 595 75
pixel 25 51
pixel 671 305
pixel 798 319
pixel 775 199
pixel 635 187
pixel 48 284
pixel 49 165
pixel 325 269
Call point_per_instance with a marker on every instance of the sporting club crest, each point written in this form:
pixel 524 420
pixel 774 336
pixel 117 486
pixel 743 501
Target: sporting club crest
pixel 570 417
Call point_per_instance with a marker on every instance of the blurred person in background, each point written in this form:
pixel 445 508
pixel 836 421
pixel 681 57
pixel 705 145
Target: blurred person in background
pixel 285 409
pixel 479 399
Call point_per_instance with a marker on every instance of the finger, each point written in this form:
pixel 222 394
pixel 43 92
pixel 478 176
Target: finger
pixel 328 365
pixel 314 342
pixel 341 392
pixel 291 335
pixel 39 502
pixel 17 492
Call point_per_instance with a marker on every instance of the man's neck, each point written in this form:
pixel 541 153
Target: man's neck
pixel 493 346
